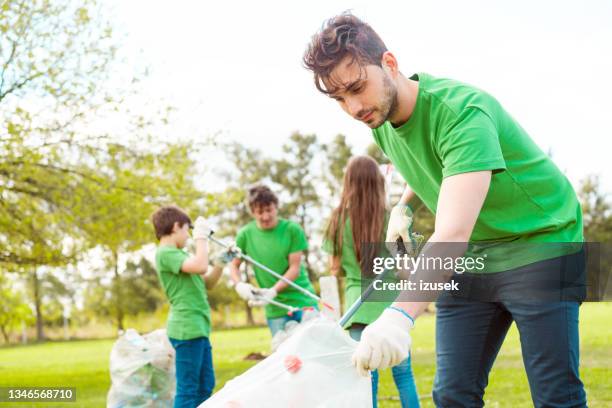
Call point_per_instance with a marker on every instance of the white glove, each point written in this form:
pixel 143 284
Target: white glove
pixel 245 290
pixel 400 226
pixel 263 296
pixel 228 255
pixel 384 343
pixel 201 230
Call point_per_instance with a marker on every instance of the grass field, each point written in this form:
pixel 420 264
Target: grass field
pixel 84 364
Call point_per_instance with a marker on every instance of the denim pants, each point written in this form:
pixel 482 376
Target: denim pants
pixel 470 329
pixel 276 324
pixel 469 335
pixel 402 376
pixel 195 377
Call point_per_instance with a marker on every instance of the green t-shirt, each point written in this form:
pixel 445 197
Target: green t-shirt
pixel 371 308
pixel 272 248
pixel 456 128
pixel 189 315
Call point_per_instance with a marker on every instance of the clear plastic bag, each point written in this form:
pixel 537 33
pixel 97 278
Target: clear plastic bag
pixel 142 371
pixel 291 326
pixel 325 377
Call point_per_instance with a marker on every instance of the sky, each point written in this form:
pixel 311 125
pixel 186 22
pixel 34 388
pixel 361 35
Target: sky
pixel 233 68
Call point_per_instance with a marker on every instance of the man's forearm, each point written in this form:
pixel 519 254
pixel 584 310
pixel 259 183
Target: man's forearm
pixel 407 195
pixel 439 246
pixel 459 202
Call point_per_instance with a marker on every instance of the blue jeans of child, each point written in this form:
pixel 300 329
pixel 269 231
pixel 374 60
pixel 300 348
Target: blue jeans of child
pixel 402 376
pixel 277 324
pixel 195 377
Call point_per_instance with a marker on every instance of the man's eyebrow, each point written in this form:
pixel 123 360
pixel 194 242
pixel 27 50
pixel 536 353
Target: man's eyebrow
pixel 348 87
pixel 354 84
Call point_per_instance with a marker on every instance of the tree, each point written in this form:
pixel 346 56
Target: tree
pixel 374 152
pixel 338 153
pixel 140 290
pixel 132 184
pixel 54 60
pixel 251 167
pixel 424 220
pixel 296 172
pixel 230 206
pixel 14 311
pixel 596 210
pixel 597 220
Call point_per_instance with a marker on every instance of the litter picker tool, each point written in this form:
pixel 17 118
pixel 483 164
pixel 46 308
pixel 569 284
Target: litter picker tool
pixel 271 272
pixel 366 293
pixel 290 309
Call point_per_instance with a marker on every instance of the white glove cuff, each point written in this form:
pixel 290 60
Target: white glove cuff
pixel 400 317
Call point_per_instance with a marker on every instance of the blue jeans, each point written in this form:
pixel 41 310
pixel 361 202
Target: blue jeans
pixel 402 376
pixel 195 377
pixel 470 333
pixel 277 324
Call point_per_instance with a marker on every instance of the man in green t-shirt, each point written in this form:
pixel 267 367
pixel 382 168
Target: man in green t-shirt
pixel 184 279
pixel 487 182
pixel 278 244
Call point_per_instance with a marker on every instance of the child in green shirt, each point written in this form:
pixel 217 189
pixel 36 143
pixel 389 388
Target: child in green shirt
pixel 279 244
pixel 361 219
pixel 185 280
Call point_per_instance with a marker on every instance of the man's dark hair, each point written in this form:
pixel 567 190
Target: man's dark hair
pixel 164 218
pixel 261 196
pixel 341 36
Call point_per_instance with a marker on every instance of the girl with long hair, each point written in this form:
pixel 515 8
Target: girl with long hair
pixel 357 224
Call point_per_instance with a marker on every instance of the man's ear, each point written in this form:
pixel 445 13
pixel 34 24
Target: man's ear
pixel 389 64
pixel 176 227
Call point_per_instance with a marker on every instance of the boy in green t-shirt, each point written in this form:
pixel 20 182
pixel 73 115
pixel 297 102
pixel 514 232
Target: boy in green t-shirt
pixel 185 280
pixel 277 243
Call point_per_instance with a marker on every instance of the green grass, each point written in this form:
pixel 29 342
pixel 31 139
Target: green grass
pixel 84 364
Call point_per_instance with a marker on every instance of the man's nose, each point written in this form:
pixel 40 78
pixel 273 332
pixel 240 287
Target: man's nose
pixel 353 106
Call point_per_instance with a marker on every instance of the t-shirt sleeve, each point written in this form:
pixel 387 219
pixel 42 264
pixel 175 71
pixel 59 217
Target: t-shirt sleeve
pixel 172 260
pixel 470 144
pixel 298 239
pixel 241 241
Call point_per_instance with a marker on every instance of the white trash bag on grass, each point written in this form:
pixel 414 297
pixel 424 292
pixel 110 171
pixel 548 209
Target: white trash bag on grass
pixel 311 369
pixel 142 371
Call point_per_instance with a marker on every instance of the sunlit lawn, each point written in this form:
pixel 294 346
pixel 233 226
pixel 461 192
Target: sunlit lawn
pixel 84 364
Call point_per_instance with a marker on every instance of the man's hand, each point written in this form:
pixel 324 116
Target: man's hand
pixel 201 230
pixel 245 290
pixel 400 222
pixel 228 255
pixel 263 296
pixel 384 343
pixel 400 226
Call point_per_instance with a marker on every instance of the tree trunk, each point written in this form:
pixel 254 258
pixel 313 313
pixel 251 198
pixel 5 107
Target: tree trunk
pixel 4 334
pixel 249 315
pixel 311 274
pixel 118 295
pixel 249 311
pixel 40 333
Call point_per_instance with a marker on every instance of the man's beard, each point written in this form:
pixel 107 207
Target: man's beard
pixel 388 106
